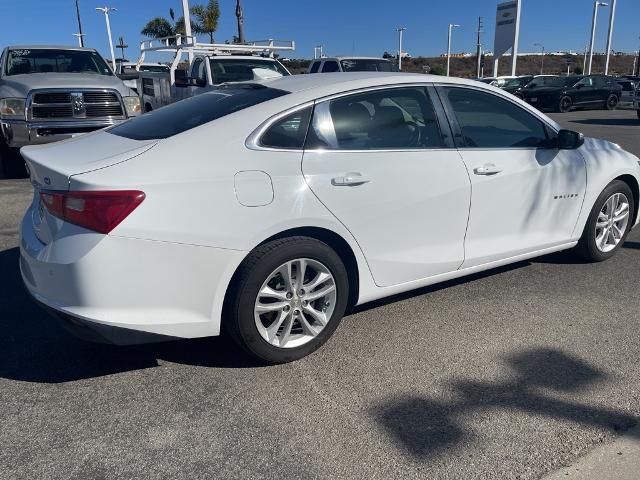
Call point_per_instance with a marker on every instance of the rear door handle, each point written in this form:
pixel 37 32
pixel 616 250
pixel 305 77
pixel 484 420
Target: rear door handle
pixel 352 179
pixel 488 169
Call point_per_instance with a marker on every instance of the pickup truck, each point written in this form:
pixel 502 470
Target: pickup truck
pixel 211 65
pixel 129 72
pixel 49 93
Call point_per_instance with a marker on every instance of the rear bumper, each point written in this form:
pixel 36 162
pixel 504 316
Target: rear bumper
pixel 113 288
pixel 20 133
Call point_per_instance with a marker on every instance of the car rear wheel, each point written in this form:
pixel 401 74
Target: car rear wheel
pixel 612 102
pixel 609 223
pixel 565 104
pixel 287 300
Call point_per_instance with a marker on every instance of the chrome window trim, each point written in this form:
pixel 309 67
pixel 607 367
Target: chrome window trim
pixel 253 141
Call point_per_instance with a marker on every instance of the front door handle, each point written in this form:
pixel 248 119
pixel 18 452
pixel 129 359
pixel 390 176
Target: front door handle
pixel 351 179
pixel 487 169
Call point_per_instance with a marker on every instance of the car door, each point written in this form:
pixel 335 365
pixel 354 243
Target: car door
pixel 526 193
pixel 383 164
pixel 585 92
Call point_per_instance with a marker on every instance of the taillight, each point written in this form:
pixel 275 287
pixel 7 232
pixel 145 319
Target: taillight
pixel 100 211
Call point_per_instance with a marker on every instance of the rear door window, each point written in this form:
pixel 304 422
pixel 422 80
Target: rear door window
pixel 314 67
pixel 288 132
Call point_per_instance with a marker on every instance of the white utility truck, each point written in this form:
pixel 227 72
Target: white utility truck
pixel 210 64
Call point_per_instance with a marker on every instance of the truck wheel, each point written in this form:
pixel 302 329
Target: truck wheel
pixel 12 163
pixel 612 102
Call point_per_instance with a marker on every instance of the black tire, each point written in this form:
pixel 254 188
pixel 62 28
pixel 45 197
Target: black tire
pixel 564 104
pixel 239 319
pixel 612 102
pixel 587 248
pixel 12 163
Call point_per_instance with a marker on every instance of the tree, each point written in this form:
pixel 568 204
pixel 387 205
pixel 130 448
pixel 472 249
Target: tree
pixel 438 70
pixel 206 18
pixel 578 70
pixel 160 27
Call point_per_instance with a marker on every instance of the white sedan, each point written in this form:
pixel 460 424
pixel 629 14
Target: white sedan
pixel 265 210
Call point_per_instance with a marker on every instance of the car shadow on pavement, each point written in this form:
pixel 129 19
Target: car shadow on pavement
pixel 632 245
pixel 35 348
pixel 425 427
pixel 609 122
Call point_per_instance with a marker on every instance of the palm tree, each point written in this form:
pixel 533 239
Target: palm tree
pixel 161 27
pixel 207 18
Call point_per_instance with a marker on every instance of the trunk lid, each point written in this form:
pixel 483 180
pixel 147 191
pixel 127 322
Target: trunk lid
pixel 52 165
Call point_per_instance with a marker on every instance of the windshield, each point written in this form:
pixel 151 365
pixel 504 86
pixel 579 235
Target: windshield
pixel 367 65
pixel 24 61
pixel 195 111
pixel 516 82
pixel 241 69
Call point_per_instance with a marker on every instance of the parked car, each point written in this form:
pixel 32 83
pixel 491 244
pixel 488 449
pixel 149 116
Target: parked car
pixel 515 85
pixel 212 65
pixel 534 82
pixel 627 96
pixel 48 93
pixel 563 94
pixel 297 198
pixel 351 64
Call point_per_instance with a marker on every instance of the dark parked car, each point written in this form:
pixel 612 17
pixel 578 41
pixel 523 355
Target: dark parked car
pixel 515 85
pixel 565 93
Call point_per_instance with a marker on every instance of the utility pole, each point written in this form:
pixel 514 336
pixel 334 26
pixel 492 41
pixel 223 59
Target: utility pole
pixel 240 17
pixel 79 34
pixel 106 11
pixel 594 21
pixel 612 17
pixel 400 31
pixel 479 48
pixel 542 62
pixel 451 27
pixel 121 45
pixel 584 60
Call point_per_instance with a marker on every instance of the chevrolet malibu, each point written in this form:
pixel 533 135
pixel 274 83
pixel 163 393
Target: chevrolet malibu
pixel 265 210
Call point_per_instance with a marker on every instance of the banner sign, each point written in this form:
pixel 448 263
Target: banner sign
pixel 506 27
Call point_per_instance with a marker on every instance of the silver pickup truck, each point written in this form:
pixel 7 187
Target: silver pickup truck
pixel 49 93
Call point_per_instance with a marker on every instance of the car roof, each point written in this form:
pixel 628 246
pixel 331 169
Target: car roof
pixel 330 83
pixel 49 47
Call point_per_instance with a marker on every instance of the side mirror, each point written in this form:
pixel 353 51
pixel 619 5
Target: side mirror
pixel 569 140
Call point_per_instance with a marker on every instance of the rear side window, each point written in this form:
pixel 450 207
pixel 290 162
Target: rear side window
pixel 193 112
pixel 288 132
pixel 330 66
pixel 314 67
pixel 488 121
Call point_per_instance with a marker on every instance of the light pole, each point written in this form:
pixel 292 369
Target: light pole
pixel 451 27
pixel 542 62
pixel 400 31
pixel 596 5
pixel 79 34
pixel 612 16
pixel 106 11
pixel 187 27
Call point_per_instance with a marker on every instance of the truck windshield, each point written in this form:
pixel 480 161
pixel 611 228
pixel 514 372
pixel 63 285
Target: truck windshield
pixel 49 60
pixel 367 65
pixel 195 111
pixel 241 69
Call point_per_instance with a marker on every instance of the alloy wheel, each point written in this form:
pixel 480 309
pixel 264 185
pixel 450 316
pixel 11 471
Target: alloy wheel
pixel 295 303
pixel 612 222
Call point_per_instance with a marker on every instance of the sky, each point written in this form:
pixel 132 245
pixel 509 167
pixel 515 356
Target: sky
pixel 361 27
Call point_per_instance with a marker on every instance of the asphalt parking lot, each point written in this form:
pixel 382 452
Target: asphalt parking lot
pixel 508 374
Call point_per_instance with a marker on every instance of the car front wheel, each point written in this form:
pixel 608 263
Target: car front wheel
pixel 609 223
pixel 288 298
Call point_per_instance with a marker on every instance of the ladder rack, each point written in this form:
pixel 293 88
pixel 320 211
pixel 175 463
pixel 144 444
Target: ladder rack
pixel 180 44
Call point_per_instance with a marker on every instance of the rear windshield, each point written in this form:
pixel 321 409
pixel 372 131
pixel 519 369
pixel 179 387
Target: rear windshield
pixel 241 69
pixel 193 112
pixel 48 60
pixel 366 65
